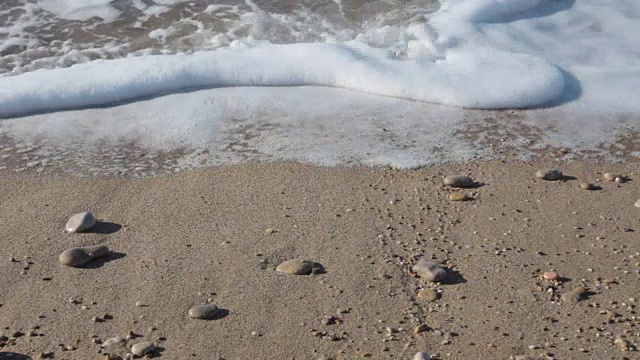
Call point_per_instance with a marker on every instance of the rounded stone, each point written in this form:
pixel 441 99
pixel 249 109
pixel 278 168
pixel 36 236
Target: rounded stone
pixel 459 196
pixel 571 297
pixel 550 275
pixel 79 256
pixel 587 186
pixel 429 270
pixel 296 267
pixel 143 348
pixel 622 344
pixel 580 290
pixel 428 294
pixel 610 176
pixel 549 174
pixel 204 312
pixel 421 328
pixel 422 356
pixel 80 222
pixel 637 204
pixel 459 181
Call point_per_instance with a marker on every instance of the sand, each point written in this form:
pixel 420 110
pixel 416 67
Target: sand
pixel 218 234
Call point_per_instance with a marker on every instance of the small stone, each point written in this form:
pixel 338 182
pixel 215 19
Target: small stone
pixel 459 196
pixel 550 275
pixel 80 222
pixel 549 174
pixel 328 320
pixel 421 328
pixel 428 294
pixel 429 270
pixel 79 256
pixel 580 290
pixel 296 267
pixel 610 176
pixel 637 204
pixel 459 181
pixel 571 297
pixel 587 186
pixel 619 180
pixel 143 348
pixel 622 344
pixel 3 337
pixel 422 356
pixel 207 311
pixel 114 341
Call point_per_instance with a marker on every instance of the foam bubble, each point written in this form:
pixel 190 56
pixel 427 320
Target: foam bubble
pixel 81 9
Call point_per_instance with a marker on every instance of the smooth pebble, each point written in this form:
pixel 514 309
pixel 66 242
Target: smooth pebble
pixel 429 270
pixel 550 275
pixel 459 196
pixel 549 174
pixel 637 204
pixel 296 267
pixel 459 181
pixel 587 186
pixel 428 294
pixel 571 297
pixel 79 256
pixel 114 341
pixel 422 356
pixel 207 311
pixel 80 222
pixel 143 348
pixel 610 176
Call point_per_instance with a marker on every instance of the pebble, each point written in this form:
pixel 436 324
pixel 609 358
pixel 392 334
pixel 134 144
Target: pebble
pixel 571 297
pixel 459 181
pixel 549 174
pixel 296 267
pixel 80 222
pixel 610 176
pixel 428 294
pixel 422 356
pixel 580 290
pixel 459 196
pixel 79 256
pixel 587 186
pixel 637 204
pixel 207 311
pixel 421 328
pixel 429 270
pixel 622 344
pixel 550 275
pixel 3 337
pixel 143 348
pixel 114 341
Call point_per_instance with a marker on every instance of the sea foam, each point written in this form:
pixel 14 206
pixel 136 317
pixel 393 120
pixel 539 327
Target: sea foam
pixel 435 64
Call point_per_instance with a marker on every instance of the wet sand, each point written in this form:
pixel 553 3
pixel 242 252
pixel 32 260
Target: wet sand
pixel 217 234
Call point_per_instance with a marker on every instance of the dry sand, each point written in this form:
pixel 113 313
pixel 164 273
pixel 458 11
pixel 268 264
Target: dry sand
pixel 185 239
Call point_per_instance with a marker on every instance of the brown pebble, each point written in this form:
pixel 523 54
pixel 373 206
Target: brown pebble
pixel 550 275
pixel 622 344
pixel 421 328
pixel 459 196
pixel 580 290
pixel 570 297
pixel 587 186
pixel 428 294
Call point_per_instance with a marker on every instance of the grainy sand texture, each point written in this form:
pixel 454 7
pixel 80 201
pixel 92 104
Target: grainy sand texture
pixel 216 236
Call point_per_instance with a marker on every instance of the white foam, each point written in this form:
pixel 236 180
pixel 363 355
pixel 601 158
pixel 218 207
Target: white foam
pixel 80 9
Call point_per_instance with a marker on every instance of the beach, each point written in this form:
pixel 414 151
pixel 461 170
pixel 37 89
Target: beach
pixel 216 235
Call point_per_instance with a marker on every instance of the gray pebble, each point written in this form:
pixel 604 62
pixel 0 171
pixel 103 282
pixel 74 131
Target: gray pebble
pixel 429 270
pixel 459 181
pixel 571 297
pixel 80 222
pixel 637 204
pixel 207 311
pixel 296 267
pixel 143 348
pixel 114 341
pixel 549 174
pixel 79 256
pixel 422 356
